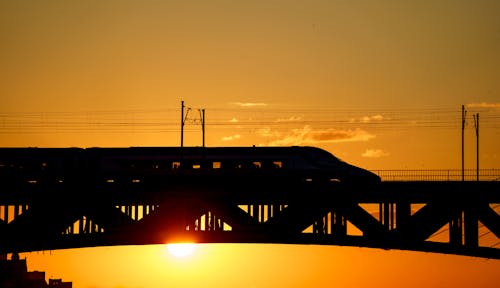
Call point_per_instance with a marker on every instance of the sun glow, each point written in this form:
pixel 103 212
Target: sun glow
pixel 181 250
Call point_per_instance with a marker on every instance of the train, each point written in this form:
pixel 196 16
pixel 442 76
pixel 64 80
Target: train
pixel 306 162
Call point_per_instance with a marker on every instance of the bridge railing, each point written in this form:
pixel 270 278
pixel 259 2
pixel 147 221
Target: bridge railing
pixel 491 174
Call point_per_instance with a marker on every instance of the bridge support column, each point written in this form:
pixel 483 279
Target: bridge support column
pixel 16 211
pixel 471 228
pixel 255 211
pixel 456 230
pixel 338 224
pixel 403 213
pixel 320 226
pixel 386 210
pixel 80 227
pixel 333 223
pixel 6 213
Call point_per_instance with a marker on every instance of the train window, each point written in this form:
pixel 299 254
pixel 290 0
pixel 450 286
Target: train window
pixel 216 165
pixel 277 164
pixel 257 164
pixel 196 166
pixel 176 165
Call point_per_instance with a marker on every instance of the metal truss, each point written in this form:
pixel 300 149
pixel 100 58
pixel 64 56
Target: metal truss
pixel 86 210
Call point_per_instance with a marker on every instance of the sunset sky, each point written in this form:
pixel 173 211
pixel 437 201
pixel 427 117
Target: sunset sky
pixel 379 84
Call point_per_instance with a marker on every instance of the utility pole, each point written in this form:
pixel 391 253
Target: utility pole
pixel 202 116
pixel 182 124
pixel 464 112
pixel 476 125
pixel 183 121
pixel 184 117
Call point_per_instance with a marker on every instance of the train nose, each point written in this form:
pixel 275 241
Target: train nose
pixel 364 176
pixel 372 177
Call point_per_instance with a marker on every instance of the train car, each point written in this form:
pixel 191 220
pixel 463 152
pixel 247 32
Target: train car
pixel 309 163
pixel 135 163
pixel 31 165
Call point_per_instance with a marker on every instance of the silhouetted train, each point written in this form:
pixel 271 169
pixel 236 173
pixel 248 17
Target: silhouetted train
pixel 309 163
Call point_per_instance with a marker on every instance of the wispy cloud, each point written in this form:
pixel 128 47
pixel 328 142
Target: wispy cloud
pixel 267 132
pixel 307 135
pixel 374 153
pixel 367 119
pixel 231 138
pixel 483 105
pixel 290 119
pixel 250 104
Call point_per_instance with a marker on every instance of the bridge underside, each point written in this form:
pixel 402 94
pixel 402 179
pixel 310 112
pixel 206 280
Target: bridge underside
pixel 440 217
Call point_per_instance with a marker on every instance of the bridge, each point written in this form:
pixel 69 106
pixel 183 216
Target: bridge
pixel 43 210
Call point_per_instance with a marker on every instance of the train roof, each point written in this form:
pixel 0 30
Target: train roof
pixel 174 150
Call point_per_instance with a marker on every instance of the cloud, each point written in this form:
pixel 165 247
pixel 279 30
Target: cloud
pixel 234 120
pixel 231 138
pixel 267 132
pixel 483 105
pixel 367 119
pixel 307 135
pixel 374 153
pixel 250 104
pixel 290 119
pixel 377 117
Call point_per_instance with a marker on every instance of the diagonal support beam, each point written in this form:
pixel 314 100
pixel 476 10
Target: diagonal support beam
pixel 364 221
pixel 235 217
pixel 490 219
pixel 426 222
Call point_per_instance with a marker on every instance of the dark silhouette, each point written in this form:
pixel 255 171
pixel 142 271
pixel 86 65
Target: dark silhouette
pixel 14 274
pixel 56 198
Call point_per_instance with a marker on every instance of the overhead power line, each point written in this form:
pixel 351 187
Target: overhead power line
pixel 161 120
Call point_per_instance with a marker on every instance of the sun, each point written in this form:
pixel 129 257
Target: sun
pixel 181 250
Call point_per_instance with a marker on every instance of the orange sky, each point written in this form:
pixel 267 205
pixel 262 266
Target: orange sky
pixel 263 266
pixel 379 84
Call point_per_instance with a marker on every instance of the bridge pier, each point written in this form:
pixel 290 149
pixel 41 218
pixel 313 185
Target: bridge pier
pixel 339 224
pixel 403 213
pixel 320 226
pixel 333 223
pixel 386 211
pixel 471 227
pixel 464 228
pixel 456 226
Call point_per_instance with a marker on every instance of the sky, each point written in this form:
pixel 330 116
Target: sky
pixel 379 84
